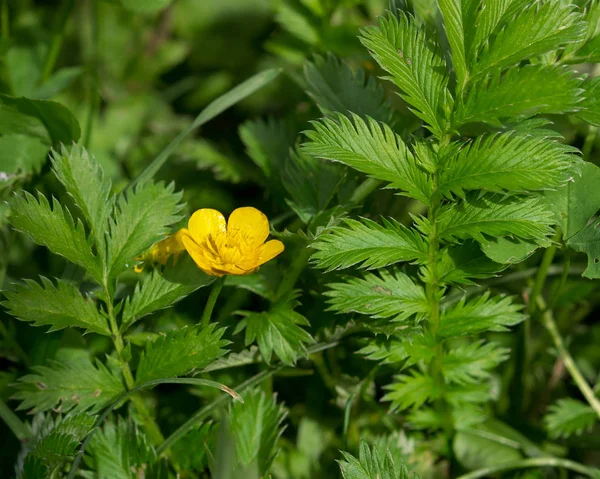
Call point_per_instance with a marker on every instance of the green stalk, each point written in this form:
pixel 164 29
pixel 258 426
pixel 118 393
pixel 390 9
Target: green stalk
pixel 540 279
pixel 569 362
pixel 212 299
pixel 534 462
pixel 14 423
pixel 58 39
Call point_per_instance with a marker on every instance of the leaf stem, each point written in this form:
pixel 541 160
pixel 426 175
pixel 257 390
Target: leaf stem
pixel 533 462
pixel 569 362
pixel 540 279
pixel 212 299
pixel 57 40
pixel 14 423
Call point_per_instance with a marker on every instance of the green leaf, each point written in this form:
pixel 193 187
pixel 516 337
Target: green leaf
pixel 336 88
pixel 22 153
pixel 60 306
pixel 389 295
pixel 145 6
pixel 141 218
pixel 120 451
pixel 83 178
pixel 256 425
pixel 60 124
pixel 576 202
pixel 488 18
pixel 54 228
pixel 520 93
pixel 524 217
pixel 278 331
pixel 475 451
pixel 179 352
pixel 456 16
pixel 506 162
pixel 472 363
pixel 370 147
pixel 78 385
pixel 460 264
pixel 415 64
pixel 411 391
pixel 538 29
pixel 479 315
pixel 215 108
pixel 368 243
pixel 510 250
pixel 268 143
pixel 568 417
pixel 591 103
pixel 373 463
pixel 587 241
pixel 154 293
pixel 311 183
pixel 410 347
pixel 297 23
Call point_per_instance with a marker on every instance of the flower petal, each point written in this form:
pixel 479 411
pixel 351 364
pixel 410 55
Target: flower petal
pixel 205 222
pixel 197 254
pixel 269 250
pixel 248 224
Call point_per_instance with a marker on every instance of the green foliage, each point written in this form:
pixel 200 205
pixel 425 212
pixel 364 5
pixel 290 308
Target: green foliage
pixel 369 147
pixel 71 385
pixel 415 65
pixel 411 390
pixel 60 306
pixel 334 87
pixel 179 352
pixel 141 218
pixel 368 245
pixel 372 463
pixel 256 425
pixel 568 417
pixel 278 331
pixel 54 227
pixel 389 295
pixel 472 363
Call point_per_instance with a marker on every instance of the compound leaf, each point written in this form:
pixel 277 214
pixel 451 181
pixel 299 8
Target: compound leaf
pixel 568 417
pixel 372 463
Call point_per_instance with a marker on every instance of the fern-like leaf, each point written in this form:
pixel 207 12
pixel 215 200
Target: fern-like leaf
pixel 568 417
pixel 472 363
pixel 372 463
pixel 411 390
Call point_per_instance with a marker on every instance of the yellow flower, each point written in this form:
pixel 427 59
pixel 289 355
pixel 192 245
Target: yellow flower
pixel 161 251
pixel 236 247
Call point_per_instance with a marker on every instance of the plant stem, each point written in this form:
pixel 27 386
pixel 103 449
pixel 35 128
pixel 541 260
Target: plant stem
pixel 14 423
pixel 540 279
pixel 57 40
pixel 293 272
pixel 534 462
pixel 364 189
pixel 212 299
pixel 584 387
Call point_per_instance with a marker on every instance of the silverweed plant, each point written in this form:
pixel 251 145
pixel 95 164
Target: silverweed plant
pixel 404 284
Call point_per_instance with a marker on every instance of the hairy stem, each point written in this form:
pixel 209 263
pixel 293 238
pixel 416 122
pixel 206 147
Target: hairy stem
pixel 57 40
pixel 534 462
pixel 212 299
pixel 584 387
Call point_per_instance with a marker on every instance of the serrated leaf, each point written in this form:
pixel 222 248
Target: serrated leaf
pixel 368 244
pixel 523 217
pixel 411 391
pixel 409 347
pixel 478 315
pixel 78 385
pixel 533 31
pixel 519 93
pixel 84 180
pixel 416 67
pixel 336 88
pixel 510 250
pixel 387 295
pixel 457 14
pixel 373 463
pixel 34 468
pixel 506 162
pixel 472 363
pixel 297 23
pixel 268 143
pixel 568 417
pixel 60 306
pixel 370 147
pixel 587 241
pixel 461 264
pixel 179 352
pixel 278 331
pixel 54 228
pixel 154 293
pixel 591 102
pixel 488 18
pixel 311 183
pixel 256 425
pixel 576 202
pixel 141 218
